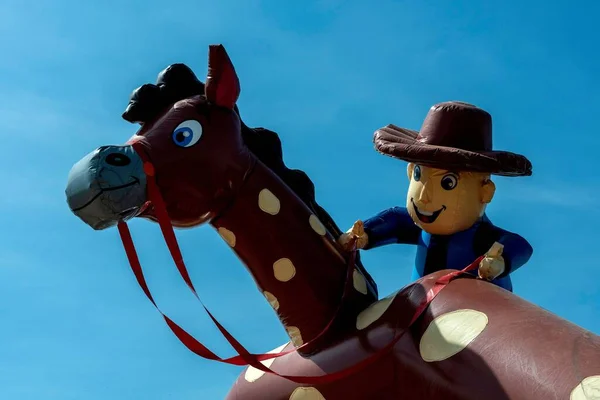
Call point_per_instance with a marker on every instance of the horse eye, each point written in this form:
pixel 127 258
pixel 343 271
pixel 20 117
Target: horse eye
pixel 187 133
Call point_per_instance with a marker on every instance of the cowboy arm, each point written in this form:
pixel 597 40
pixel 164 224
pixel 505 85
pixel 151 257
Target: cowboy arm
pixel 517 251
pixel 393 225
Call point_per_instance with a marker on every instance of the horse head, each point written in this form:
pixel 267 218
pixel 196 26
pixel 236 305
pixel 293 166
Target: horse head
pixel 194 144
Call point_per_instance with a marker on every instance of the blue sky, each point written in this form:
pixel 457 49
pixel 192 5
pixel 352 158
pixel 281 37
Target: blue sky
pixel 75 323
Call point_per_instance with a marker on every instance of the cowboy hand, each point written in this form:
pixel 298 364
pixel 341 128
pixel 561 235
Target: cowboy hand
pixel 492 264
pixel 357 232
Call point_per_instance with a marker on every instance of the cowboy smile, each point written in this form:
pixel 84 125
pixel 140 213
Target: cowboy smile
pixel 427 217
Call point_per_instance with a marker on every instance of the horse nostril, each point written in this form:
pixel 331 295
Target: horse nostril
pixel 117 159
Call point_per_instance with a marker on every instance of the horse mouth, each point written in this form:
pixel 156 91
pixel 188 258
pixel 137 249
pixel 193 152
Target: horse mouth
pixel 134 181
pixel 426 217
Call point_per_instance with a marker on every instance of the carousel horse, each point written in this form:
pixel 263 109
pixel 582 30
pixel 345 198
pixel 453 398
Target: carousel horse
pixel 446 336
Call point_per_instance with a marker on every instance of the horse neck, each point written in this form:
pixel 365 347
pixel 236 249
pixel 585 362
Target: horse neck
pixel 294 261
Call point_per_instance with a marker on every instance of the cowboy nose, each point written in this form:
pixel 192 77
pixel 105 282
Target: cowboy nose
pixel 107 186
pixel 425 194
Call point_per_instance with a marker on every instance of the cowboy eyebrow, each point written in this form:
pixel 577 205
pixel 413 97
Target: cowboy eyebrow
pixel 445 172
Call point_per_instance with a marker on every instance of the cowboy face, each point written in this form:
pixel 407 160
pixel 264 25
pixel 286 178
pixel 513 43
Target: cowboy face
pixel 444 202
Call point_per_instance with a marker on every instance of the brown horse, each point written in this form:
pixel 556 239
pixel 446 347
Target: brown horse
pixel 195 158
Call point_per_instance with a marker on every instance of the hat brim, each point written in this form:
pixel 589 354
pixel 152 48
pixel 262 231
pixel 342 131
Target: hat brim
pixel 402 143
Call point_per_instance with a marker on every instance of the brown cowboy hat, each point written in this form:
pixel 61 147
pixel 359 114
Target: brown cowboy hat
pixel 454 136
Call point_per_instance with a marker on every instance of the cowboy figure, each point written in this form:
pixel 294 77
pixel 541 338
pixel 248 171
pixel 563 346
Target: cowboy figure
pixel 450 163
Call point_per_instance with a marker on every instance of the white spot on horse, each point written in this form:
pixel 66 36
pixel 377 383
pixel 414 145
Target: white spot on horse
pixel 306 393
pixel 227 235
pixel 284 269
pixel 268 202
pixel 360 284
pixel 450 333
pixel 374 312
pixel 252 374
pixel 317 225
pixel 588 389
pixel 272 300
pixel 295 335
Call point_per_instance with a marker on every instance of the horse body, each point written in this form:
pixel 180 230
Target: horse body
pixel 474 341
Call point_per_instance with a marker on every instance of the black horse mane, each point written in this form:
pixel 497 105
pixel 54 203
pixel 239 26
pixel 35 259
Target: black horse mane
pixel 177 82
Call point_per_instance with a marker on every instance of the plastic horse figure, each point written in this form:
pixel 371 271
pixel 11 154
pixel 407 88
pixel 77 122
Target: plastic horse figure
pixel 197 160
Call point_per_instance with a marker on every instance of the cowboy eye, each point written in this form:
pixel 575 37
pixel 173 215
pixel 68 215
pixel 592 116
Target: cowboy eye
pixel 417 173
pixel 449 181
pixel 187 133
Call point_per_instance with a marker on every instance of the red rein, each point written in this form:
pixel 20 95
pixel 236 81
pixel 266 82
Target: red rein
pixel 244 357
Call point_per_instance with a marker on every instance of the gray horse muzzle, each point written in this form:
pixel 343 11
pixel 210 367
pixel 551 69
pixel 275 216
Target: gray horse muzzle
pixel 107 186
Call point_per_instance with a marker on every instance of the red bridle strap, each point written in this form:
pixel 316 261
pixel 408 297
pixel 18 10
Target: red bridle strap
pixel 244 357
pixel 164 221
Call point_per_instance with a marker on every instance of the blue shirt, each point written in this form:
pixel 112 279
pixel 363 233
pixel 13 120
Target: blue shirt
pixel 456 251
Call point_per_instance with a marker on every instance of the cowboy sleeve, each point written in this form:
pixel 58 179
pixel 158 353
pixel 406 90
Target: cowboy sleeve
pixel 517 251
pixel 393 225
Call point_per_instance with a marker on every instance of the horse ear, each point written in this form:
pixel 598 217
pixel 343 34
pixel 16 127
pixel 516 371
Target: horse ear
pixel 222 84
